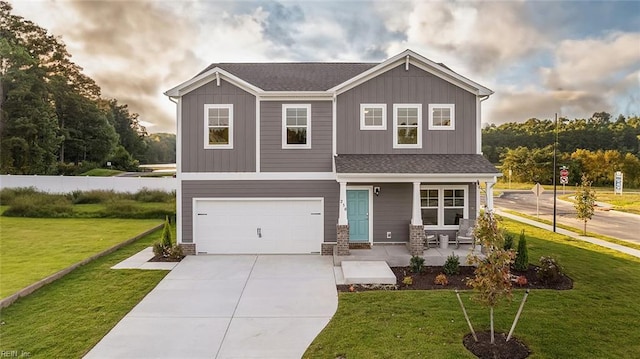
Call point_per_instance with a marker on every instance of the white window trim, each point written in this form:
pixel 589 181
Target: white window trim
pixel 285 145
pixel 396 106
pixel 441 189
pixel 206 126
pixel 383 107
pixel 451 108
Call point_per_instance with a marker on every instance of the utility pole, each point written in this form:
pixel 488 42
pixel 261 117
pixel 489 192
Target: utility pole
pixel 555 144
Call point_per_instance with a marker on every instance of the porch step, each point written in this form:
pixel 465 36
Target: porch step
pixel 367 272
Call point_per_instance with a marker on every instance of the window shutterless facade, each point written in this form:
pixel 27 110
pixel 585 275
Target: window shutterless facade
pixel 373 116
pixel 296 126
pixel 444 206
pixel 407 126
pixel 218 126
pixel 442 117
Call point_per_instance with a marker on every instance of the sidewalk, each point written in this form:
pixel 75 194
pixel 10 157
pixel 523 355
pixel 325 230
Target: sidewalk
pixel 600 242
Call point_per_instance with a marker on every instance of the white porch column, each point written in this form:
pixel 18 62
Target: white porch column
pixel 489 198
pixel 342 210
pixel 416 215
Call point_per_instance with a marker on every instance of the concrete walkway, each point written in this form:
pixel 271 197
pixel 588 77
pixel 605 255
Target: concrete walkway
pixel 600 242
pixel 234 306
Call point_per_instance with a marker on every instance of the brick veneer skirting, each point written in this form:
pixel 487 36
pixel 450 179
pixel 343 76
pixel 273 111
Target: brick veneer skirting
pixel 327 249
pixel 343 240
pixel 416 240
pixel 189 249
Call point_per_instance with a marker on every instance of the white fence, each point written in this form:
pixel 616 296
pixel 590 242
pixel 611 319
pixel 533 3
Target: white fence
pixel 66 184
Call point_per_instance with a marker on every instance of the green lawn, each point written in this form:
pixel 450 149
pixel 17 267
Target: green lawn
pixel 34 248
pixel 627 202
pixel 101 172
pixel 66 318
pixel 593 320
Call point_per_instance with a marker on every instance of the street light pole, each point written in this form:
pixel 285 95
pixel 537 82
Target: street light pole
pixel 555 144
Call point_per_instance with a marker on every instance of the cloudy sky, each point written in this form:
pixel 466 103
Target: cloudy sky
pixel 540 57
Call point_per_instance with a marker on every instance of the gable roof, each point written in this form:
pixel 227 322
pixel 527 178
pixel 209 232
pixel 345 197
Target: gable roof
pixel 415 164
pixel 294 76
pixel 320 78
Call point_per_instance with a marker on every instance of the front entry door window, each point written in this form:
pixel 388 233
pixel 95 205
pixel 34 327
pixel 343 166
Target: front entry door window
pixel 358 215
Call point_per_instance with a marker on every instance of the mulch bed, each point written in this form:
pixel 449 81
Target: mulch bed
pixel 161 258
pixel 425 280
pixel 501 349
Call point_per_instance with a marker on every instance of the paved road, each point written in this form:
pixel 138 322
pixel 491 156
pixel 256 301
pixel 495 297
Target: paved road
pixel 609 223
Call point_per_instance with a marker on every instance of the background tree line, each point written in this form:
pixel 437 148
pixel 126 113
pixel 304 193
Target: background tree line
pixel 597 146
pixel 52 117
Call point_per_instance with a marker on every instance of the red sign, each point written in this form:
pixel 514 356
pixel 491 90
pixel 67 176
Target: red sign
pixel 564 173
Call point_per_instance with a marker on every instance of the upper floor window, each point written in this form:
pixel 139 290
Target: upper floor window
pixel 296 126
pixel 407 126
pixel 373 116
pixel 218 126
pixel 442 117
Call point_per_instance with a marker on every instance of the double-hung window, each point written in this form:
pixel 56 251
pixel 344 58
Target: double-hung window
pixel 443 206
pixel 218 126
pixel 407 126
pixel 373 116
pixel 442 117
pixel 296 126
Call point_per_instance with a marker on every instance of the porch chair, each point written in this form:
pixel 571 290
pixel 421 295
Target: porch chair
pixel 430 239
pixel 464 235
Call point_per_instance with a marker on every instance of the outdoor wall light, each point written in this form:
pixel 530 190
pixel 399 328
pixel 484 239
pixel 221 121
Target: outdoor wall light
pixel 376 190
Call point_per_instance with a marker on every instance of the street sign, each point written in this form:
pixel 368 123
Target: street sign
pixel 564 180
pixel 537 189
pixel 564 173
pixel 617 182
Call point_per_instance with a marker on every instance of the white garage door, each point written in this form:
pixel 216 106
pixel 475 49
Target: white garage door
pixel 273 226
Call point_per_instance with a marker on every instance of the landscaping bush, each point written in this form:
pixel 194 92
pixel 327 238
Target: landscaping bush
pixel 148 195
pixel 522 256
pixel 97 196
pixel 40 205
pixel 416 264
pixel 441 279
pixel 129 209
pixel 508 241
pixel 550 270
pixel 452 265
pixel 7 195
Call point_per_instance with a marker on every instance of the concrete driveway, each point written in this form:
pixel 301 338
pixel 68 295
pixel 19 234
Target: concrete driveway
pixel 232 306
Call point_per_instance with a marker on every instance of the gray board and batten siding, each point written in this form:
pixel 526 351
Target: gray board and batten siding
pixel 273 158
pixel 392 210
pixel 413 86
pixel 329 190
pixel 242 157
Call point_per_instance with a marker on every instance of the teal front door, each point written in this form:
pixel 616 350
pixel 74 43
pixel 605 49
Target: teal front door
pixel 358 215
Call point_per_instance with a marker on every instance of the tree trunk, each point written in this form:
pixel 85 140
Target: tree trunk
pixel 491 315
pixel 585 228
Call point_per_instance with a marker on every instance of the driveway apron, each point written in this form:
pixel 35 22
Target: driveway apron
pixel 231 306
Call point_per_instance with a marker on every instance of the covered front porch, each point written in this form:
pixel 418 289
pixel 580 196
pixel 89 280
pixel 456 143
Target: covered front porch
pixel 404 196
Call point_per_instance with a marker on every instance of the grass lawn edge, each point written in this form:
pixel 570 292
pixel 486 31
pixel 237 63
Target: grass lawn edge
pixel 5 302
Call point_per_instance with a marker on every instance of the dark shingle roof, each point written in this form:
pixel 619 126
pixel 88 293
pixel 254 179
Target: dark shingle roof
pixel 294 76
pixel 423 164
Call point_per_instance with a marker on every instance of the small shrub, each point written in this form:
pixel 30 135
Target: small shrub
pixel 508 241
pixel 408 280
pixel 148 195
pixel 522 256
pixel 441 279
pixel 158 249
pixel 176 253
pixel 165 239
pixel 521 280
pixel 8 195
pixel 96 196
pixel 550 270
pixel 452 265
pixel 416 264
pixel 40 205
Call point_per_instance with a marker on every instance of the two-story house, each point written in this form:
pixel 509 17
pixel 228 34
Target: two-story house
pixel 299 157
